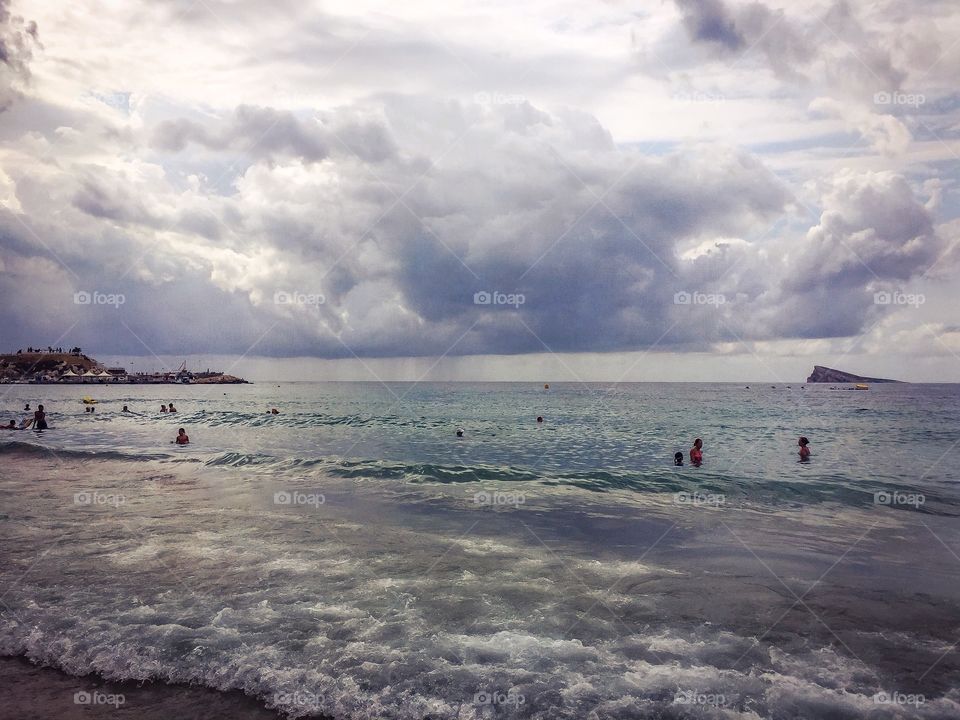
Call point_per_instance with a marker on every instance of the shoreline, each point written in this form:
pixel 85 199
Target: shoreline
pixel 30 687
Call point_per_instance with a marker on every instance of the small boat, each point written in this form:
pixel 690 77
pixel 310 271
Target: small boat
pixel 861 386
pixel 87 400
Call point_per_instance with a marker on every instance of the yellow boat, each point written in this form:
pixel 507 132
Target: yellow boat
pixel 89 401
pixel 861 386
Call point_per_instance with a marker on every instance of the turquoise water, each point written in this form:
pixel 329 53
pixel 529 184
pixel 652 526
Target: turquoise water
pixel 352 557
pixel 595 436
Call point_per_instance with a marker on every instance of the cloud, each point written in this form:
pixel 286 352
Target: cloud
pixel 886 133
pixel 843 47
pixel 710 21
pixel 265 132
pixel 397 230
pixel 18 38
pixel 528 158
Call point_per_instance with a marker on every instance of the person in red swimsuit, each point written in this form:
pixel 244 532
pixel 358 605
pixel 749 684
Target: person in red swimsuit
pixel 804 448
pixel 182 438
pixel 696 452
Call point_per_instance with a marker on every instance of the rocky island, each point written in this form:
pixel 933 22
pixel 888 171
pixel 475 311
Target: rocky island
pixel 823 374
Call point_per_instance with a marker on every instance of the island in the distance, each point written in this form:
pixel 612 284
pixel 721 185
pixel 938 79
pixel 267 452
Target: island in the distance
pixel 823 374
pixel 59 365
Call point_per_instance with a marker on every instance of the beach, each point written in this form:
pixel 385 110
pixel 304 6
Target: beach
pixel 351 558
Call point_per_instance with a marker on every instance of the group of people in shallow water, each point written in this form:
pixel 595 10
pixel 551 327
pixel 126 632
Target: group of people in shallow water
pixel 37 422
pixel 696 452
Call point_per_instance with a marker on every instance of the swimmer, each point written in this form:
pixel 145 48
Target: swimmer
pixel 182 438
pixel 696 452
pixel 678 459
pixel 274 411
pixel 172 408
pixel 11 426
pixel 40 419
pixel 125 409
pixel 539 418
pixel 163 408
pixel 804 448
pixel 459 432
pixel 27 406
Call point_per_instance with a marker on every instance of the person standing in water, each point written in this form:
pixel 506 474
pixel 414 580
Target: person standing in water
pixel 182 438
pixel 172 408
pixel 40 419
pixel 163 408
pixel 678 459
pixel 804 448
pixel 696 452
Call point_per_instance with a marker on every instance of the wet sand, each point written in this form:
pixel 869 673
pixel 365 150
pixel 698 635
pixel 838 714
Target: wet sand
pixel 31 691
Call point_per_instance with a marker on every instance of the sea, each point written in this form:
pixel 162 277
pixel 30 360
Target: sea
pixel 351 557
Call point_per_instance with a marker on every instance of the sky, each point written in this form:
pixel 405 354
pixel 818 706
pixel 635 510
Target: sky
pixel 602 191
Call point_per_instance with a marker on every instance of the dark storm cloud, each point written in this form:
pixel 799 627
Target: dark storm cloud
pixel 710 21
pixel 399 228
